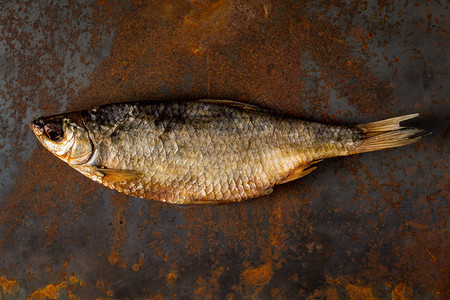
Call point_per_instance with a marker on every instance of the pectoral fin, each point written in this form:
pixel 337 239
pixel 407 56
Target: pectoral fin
pixel 300 171
pixel 116 175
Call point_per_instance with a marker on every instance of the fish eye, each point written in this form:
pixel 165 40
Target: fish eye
pixel 54 131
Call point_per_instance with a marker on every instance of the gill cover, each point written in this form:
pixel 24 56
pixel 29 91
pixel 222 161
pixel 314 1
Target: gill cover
pixel 66 137
pixel 82 149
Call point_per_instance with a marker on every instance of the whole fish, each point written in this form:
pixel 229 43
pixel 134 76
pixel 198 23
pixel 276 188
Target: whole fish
pixel 206 151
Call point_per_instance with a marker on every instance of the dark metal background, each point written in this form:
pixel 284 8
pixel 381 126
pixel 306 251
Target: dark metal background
pixel 373 225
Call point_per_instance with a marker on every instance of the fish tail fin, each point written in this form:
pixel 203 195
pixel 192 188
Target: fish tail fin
pixel 387 134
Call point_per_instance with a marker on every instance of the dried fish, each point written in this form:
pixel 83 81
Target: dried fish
pixel 206 151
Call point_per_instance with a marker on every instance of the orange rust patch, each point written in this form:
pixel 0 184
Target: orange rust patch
pixel 429 242
pixel 359 292
pixel 51 291
pixel 257 276
pixel 171 277
pixel 100 284
pixel 52 230
pixel 72 296
pixel 73 280
pixel 135 267
pixel 208 285
pixel 219 22
pixel 329 294
pixel 398 293
pixel 10 287
pixel 139 264
pixel 49 202
pixel 119 204
pixel 202 286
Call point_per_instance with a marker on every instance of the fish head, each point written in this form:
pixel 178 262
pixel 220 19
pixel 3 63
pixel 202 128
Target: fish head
pixel 65 136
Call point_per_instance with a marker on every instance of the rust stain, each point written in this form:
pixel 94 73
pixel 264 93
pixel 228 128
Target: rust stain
pixel 329 294
pixel 340 286
pixel 398 293
pixel 195 239
pixel 202 287
pixel 71 296
pixel 425 243
pixel 52 229
pixel 39 67
pixel 357 292
pixel 277 232
pixel 120 205
pixel 207 286
pixel 205 26
pixel 73 280
pixel 100 284
pixel 139 264
pixel 104 286
pixel 135 267
pixel 321 40
pixel 220 22
pixel 387 198
pixel 171 278
pixel 257 276
pixel 50 291
pixel 56 291
pixel 50 197
pixel 9 287
pixel 34 194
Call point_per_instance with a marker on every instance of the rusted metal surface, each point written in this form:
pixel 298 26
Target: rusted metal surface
pixel 374 225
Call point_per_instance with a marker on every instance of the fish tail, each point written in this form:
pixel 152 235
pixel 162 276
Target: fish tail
pixel 387 134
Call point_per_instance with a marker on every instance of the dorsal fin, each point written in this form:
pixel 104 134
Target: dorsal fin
pixel 233 104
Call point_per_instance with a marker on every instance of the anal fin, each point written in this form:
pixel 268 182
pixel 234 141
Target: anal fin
pixel 301 171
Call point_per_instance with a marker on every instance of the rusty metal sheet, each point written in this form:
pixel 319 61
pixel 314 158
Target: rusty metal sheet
pixel 369 226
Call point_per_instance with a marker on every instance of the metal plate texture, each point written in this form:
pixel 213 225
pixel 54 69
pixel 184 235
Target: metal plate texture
pixel 371 226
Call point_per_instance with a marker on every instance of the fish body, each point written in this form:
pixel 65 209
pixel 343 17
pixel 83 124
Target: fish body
pixel 206 151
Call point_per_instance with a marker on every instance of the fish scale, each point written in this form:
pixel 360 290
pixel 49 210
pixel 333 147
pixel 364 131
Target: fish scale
pixel 204 151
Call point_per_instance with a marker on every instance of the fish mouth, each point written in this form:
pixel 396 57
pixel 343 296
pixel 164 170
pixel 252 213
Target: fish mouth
pixel 37 126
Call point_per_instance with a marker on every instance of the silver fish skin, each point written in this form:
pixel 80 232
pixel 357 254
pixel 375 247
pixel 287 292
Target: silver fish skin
pixel 206 151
